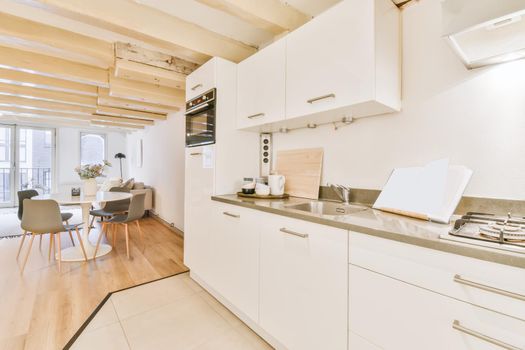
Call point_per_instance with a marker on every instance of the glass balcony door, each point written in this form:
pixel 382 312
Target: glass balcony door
pixel 29 154
pixel 35 158
pixel 7 166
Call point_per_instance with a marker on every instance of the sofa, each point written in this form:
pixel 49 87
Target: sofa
pixel 148 200
pixel 135 188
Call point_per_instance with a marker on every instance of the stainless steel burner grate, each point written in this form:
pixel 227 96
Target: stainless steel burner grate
pixel 503 230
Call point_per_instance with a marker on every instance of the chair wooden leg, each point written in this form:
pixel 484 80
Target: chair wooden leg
pixel 114 233
pixel 51 244
pixel 127 239
pixel 91 224
pixel 59 253
pixel 81 243
pixel 71 238
pixel 140 235
pixel 27 254
pixel 21 244
pixel 99 239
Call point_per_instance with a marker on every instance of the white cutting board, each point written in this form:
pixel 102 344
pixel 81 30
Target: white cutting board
pixel 431 192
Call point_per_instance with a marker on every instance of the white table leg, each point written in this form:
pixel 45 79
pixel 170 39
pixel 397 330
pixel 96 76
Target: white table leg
pixel 75 253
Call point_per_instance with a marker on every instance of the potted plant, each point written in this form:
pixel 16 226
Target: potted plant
pixel 88 173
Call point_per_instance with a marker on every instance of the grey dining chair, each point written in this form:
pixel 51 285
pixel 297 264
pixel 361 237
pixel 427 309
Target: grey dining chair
pixel 135 213
pixel 28 194
pixel 111 208
pixel 42 217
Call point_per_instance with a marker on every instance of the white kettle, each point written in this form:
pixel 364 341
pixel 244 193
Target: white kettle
pixel 276 183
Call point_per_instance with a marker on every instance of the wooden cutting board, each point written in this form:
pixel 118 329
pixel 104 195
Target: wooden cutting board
pixel 302 169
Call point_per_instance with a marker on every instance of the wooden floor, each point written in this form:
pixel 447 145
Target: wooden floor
pixel 43 308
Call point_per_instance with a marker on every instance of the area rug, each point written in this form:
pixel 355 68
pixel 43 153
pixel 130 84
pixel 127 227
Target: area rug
pixel 10 225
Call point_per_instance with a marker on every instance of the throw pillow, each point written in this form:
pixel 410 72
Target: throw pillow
pixel 129 184
pixel 110 183
pixel 139 186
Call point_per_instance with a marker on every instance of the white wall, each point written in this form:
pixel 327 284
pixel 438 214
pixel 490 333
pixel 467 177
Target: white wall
pixel 477 118
pixel 68 155
pixel 163 165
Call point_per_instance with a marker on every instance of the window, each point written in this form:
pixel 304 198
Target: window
pixel 5 143
pixel 22 145
pixel 92 148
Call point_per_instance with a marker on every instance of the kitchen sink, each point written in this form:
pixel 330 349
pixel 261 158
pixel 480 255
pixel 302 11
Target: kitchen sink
pixel 327 208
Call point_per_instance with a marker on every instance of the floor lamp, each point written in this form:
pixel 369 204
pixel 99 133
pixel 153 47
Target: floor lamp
pixel 120 156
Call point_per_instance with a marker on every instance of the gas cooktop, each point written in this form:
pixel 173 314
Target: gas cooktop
pixel 489 230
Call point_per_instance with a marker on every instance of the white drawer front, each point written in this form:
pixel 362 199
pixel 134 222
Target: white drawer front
pixel 394 315
pixel 494 286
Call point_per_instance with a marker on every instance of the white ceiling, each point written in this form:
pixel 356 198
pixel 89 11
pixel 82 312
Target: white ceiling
pixel 226 24
pixel 311 7
pixel 211 19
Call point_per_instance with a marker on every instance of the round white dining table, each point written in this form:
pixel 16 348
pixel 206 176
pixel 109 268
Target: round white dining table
pixel 85 202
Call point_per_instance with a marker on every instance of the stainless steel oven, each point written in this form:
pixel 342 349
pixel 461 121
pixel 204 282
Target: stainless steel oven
pixel 200 119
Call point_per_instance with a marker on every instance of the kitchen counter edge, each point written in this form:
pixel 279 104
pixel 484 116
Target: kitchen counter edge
pixel 472 251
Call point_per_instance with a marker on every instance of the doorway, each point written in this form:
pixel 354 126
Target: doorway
pixel 27 158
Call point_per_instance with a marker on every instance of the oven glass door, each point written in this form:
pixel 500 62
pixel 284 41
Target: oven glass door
pixel 200 127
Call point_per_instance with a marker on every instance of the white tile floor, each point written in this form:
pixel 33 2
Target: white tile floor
pixel 174 313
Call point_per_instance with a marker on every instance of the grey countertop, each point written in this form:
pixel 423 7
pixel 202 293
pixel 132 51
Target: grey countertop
pixel 380 224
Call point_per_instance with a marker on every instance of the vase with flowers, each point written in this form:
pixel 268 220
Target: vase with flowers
pixel 88 174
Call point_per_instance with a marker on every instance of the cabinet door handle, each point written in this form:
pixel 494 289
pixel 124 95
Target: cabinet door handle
pixel 196 154
pixel 290 232
pixel 457 326
pixel 315 99
pixel 232 215
pixel 255 115
pixel 196 87
pixel 459 279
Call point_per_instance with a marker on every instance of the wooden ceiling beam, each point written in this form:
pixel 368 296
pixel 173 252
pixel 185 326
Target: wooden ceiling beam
pixel 29 103
pixel 104 99
pixel 110 118
pixel 274 16
pixel 120 112
pixel 52 67
pixel 148 74
pixel 39 119
pixel 157 59
pixel 149 25
pixel 40 38
pixel 143 92
pixel 21 111
pixel 42 113
pixel 48 95
pixel 116 125
pixel 14 77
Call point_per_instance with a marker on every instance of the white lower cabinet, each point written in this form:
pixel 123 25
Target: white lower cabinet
pixel 394 315
pixel 234 257
pixel 198 206
pixel 303 284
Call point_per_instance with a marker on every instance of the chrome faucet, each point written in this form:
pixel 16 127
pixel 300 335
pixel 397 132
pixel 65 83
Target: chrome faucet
pixel 343 192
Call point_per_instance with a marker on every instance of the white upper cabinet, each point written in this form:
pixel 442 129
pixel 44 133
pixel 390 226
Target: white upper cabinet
pixel 345 62
pixel 261 87
pixel 201 80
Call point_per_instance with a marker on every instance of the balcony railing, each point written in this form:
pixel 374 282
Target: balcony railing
pixel 37 178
